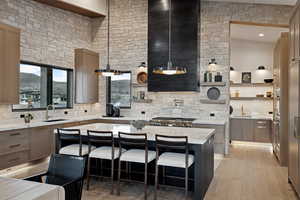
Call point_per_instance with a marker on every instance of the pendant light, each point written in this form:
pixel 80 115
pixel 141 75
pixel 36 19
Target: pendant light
pixel 171 70
pixel 108 72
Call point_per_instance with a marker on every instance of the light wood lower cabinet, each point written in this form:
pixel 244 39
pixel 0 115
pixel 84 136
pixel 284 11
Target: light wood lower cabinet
pixel 250 130
pixel 25 145
pixel 41 142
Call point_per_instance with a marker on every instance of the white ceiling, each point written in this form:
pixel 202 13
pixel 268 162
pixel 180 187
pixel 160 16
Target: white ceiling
pixel 274 2
pixel 251 33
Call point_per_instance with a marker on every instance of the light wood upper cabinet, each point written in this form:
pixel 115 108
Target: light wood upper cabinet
pixel 90 8
pixel 9 64
pixel 87 81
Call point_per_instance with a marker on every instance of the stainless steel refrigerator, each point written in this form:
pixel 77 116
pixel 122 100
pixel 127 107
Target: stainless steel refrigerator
pixel 294 128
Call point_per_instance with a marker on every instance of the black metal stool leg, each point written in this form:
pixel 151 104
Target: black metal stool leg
pixel 146 181
pixel 112 176
pixel 186 182
pixel 156 181
pixel 88 174
pixel 119 178
pixel 164 174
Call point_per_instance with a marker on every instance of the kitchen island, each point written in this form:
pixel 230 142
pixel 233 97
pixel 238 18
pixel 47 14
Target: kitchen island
pixel 201 145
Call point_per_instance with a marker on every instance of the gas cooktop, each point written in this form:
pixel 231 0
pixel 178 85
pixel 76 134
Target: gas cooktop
pixel 172 121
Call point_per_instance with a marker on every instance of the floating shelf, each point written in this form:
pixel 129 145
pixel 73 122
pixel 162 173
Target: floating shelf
pixel 208 101
pixel 207 84
pixel 143 101
pixel 251 85
pixel 139 85
pixel 252 98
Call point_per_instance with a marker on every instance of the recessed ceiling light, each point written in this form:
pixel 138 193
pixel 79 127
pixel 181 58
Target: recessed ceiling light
pixel 261 35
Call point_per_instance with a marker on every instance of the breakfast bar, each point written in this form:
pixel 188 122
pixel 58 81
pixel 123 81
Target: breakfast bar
pixel 200 142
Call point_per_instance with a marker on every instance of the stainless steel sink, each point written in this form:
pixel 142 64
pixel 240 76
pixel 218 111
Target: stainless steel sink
pixel 55 120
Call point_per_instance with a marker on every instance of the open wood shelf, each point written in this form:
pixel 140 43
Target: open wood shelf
pixel 252 98
pixel 208 101
pixel 143 101
pixel 251 85
pixel 207 84
pixel 139 85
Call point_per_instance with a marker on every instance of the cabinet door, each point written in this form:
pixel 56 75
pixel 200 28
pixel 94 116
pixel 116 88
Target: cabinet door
pixel 292 40
pixel 262 131
pixel 236 131
pixel 9 64
pixel 86 62
pixel 248 132
pixel 42 142
pixel 297 35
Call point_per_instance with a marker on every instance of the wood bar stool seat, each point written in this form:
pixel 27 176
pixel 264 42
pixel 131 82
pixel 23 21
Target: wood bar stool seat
pixel 168 144
pixel 174 160
pixel 135 155
pixel 73 136
pixel 103 152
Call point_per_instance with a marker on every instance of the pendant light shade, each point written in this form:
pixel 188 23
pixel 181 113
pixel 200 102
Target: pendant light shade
pixel 261 67
pixel 170 70
pixel 108 72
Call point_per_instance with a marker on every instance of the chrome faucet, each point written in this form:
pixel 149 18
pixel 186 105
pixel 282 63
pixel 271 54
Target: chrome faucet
pixel 47 110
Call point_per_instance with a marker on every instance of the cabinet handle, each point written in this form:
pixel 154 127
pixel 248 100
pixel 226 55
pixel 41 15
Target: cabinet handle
pixel 14 146
pixel 261 122
pixel 13 160
pixel 15 134
pixel 261 127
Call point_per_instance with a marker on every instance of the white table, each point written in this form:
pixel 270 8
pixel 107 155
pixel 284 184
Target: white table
pixel 15 189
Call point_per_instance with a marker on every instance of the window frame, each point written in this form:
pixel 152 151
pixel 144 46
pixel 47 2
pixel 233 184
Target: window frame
pixel 70 75
pixel 109 91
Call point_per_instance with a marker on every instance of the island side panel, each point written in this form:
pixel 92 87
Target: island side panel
pixel 204 168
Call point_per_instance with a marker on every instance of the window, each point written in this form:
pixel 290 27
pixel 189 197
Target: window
pixel 120 90
pixel 42 85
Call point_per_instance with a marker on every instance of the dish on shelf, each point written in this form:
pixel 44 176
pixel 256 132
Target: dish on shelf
pixel 269 80
pixel 213 93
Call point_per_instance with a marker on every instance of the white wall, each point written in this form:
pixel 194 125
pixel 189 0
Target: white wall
pixel 246 56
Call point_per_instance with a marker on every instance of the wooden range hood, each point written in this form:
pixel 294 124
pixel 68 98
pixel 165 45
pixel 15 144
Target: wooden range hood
pixel 89 8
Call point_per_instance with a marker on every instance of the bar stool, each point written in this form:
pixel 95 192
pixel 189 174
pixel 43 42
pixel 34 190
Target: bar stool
pixel 170 159
pixel 109 152
pixel 73 135
pixel 135 155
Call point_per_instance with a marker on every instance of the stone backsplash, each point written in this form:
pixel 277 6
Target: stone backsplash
pixel 50 35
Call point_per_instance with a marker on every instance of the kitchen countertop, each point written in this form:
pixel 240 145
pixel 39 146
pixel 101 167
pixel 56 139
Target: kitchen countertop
pixel 21 125
pixel 195 135
pixel 16 189
pixel 258 117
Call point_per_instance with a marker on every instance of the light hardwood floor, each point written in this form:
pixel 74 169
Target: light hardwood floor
pixel 250 173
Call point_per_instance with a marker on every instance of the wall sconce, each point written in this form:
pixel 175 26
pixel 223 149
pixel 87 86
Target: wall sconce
pixel 261 67
pixel 212 65
pixel 142 65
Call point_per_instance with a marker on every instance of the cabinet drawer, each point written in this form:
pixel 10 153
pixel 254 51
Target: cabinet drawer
pixel 14 141
pixel 14 159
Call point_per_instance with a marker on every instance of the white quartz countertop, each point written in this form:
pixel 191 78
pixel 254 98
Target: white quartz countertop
pixel 209 122
pixel 16 125
pixel 15 189
pixel 195 135
pixel 258 117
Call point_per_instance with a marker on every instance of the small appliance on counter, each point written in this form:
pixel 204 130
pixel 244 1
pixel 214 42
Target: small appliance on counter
pixel 112 110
